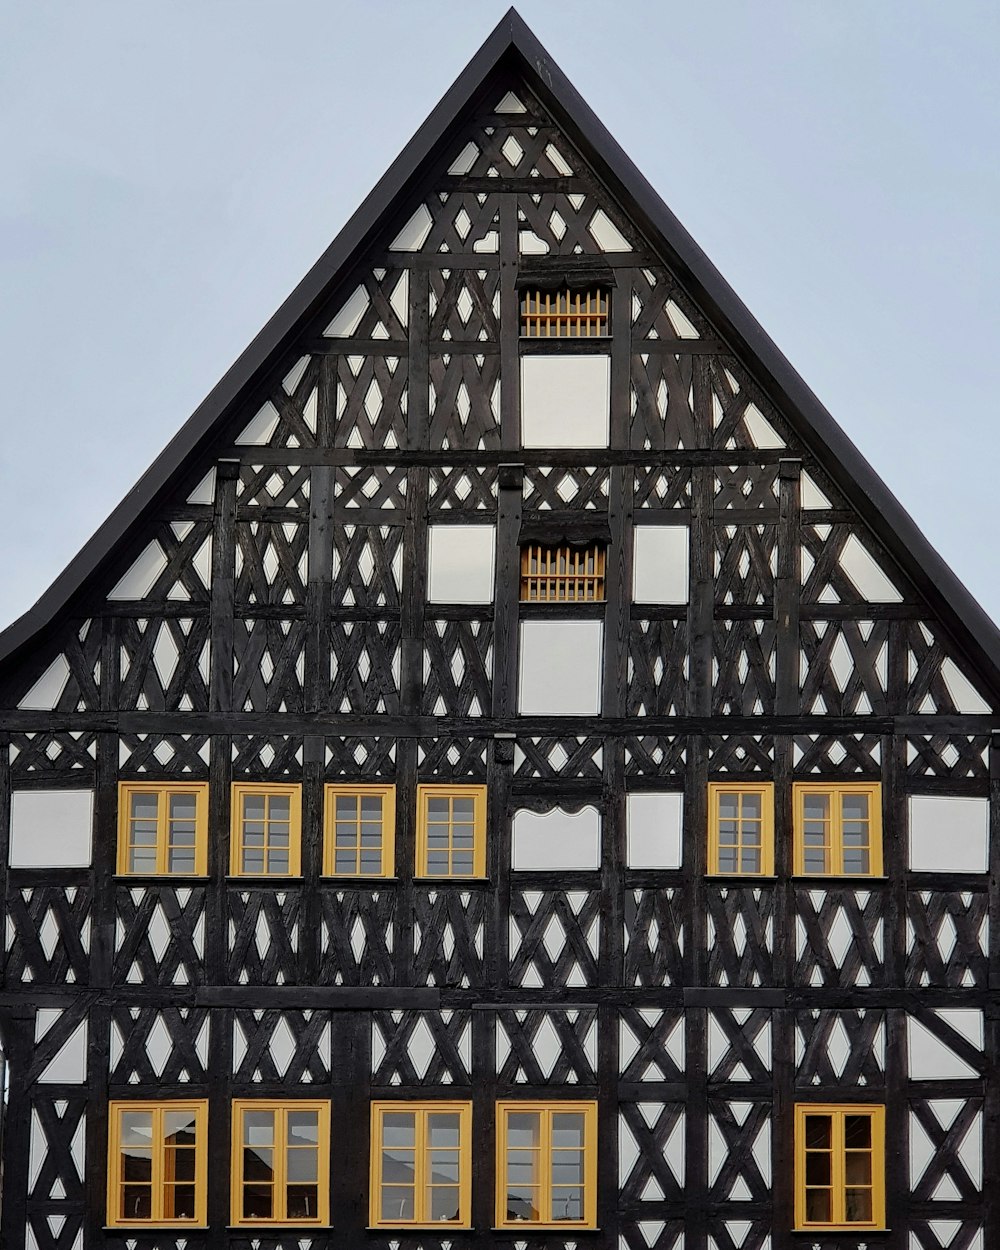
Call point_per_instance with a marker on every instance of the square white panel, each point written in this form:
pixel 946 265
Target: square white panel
pixel 51 828
pixel 556 839
pixel 460 563
pixel 560 668
pixel 565 401
pixel 653 825
pixel 660 564
pixel 948 834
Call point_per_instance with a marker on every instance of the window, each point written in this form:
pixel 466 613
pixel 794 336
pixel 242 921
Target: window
pixel 838 829
pixel 157 1163
pixel 360 831
pixel 163 829
pixel 741 829
pixel 281 1159
pixel 547 1164
pixel 565 314
pixel 562 574
pixel 266 831
pixel 421 1168
pixel 451 831
pixel 839 1166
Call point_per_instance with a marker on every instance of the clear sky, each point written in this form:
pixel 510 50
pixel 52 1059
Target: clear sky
pixel 168 171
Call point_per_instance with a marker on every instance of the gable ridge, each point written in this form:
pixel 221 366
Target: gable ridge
pixel 513 48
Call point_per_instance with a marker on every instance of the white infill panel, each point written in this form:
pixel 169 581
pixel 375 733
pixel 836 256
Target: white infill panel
pixel 556 839
pixel 565 401
pixel 460 564
pixel 660 564
pixel 51 828
pixel 948 833
pixel 653 825
pixel 560 668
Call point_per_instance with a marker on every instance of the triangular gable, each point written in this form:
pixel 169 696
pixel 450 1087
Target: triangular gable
pixel 544 131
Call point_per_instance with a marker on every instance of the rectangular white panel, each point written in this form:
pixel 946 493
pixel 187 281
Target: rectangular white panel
pixel 653 825
pixel 660 564
pixel 51 828
pixel 460 563
pixel 560 668
pixel 565 401
pixel 948 833
pixel 556 839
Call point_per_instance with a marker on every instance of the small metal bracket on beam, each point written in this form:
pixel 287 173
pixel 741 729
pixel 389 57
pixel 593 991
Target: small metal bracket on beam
pixel 510 476
pixel 504 751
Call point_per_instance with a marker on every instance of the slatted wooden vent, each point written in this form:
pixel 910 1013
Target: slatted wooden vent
pixel 564 314
pixel 562 574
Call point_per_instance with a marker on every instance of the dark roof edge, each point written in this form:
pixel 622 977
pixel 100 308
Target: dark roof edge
pixel 854 475
pixel 859 482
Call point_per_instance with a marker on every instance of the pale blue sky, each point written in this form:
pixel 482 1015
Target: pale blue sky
pixel 170 170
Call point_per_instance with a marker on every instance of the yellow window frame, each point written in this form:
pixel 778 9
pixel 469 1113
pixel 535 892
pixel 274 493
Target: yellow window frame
pixel 293 792
pixel 337 790
pixel 838 1113
pixel 158 1109
pixel 280 1108
pixel 765 790
pixel 546 1110
pixel 163 790
pixel 478 794
pixel 422 1111
pixel 836 792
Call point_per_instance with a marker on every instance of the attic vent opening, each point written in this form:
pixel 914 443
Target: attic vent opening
pixel 566 573
pixel 565 314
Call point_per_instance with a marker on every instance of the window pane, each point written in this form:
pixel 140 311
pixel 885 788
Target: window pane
pixel 302 1128
pixel 857 1130
pixel 136 1165
pixel 567 1204
pixel 443 1129
pixel 347 807
pixel 136 1203
pixel 302 1202
pixel 280 808
pixel 858 1167
pixel 858 1205
pixel 567 1129
pixel 567 1168
pixel 142 861
pixel 258 1128
pixel 522 1202
pixel 854 806
pixel 136 1128
pixel 727 860
pixel 818 1168
pixel 180 860
pixel 144 806
pixel 258 1164
pixel 818 1206
pixel 143 833
pixel 398 1129
pixel 445 1202
pixel 397 1203
pixel 371 807
pixel 818 1132
pixel 751 806
pixel 463 809
pixel 345 862
pixel 438 809
pixel 750 861
pixel 729 806
pixel 855 862
pixel 183 807
pixel 278 862
pixel 817 806
pixel 302 1165
pixel 178 1202
pixel 253 807
pixel 258 1202
pixel 522 1129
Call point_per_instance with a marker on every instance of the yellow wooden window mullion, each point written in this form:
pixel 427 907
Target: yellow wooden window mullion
pixel 545 1162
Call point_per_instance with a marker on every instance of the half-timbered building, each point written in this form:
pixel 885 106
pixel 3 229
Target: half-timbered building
pixel 510 775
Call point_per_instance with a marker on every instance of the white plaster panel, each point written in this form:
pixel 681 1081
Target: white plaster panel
pixel 565 400
pixel 556 839
pixel 51 828
pixel 560 668
pixel 653 829
pixel 948 833
pixel 660 564
pixel 460 563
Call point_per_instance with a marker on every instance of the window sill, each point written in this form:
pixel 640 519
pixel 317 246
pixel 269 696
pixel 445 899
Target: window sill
pixel 462 881
pixel 742 876
pixel 857 1229
pixel 182 878
pixel 839 876
pixel 286 1226
pixel 263 878
pixel 432 1225
pixel 356 878
pixel 564 1227
pixel 150 1226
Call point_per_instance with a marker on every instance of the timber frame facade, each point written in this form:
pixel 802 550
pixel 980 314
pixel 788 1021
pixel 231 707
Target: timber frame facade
pixel 341 583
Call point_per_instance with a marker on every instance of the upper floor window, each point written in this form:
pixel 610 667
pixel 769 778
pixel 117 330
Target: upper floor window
pixel 280 1168
pixel 839 1166
pixel 360 831
pixel 546 1164
pixel 565 314
pixel 421 1165
pixel 562 574
pixel 741 828
pixel 163 828
pixel 157 1155
pixel 266 830
pixel 451 831
pixel 838 829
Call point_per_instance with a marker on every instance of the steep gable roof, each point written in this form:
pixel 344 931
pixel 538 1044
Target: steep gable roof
pixel 512 46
